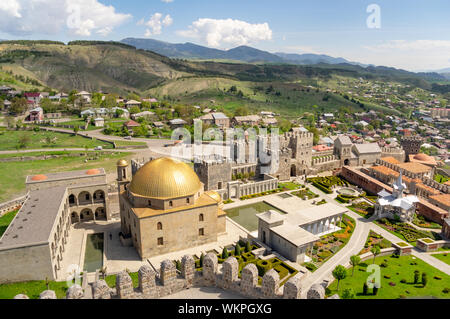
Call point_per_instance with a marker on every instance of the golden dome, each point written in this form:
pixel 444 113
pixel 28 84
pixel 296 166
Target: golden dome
pixel 214 195
pixel 165 178
pixel 122 163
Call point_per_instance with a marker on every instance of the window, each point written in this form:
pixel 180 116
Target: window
pixel 170 204
pixel 150 203
pixel 201 232
pixel 159 226
pixel 160 241
pixel 188 200
pixel 201 218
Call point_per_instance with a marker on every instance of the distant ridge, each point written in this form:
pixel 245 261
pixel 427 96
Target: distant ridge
pixel 241 53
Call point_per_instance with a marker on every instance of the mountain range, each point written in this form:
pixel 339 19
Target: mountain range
pixel 241 53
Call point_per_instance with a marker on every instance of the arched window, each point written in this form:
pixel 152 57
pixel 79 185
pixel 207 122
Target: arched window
pixel 170 203
pixel 150 203
pixel 201 218
pixel 188 200
pixel 159 226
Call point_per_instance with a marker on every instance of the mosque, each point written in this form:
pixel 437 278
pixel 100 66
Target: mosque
pixel 164 208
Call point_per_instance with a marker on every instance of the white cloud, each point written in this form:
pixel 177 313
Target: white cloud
pixel 156 23
pixel 227 32
pixel 78 17
pixel 11 7
pixel 167 1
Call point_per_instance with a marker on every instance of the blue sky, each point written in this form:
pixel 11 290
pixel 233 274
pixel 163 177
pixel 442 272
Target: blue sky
pixel 414 34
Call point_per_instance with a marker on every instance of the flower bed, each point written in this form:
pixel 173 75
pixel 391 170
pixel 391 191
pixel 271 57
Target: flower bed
pixel 305 193
pixel 273 191
pixel 375 239
pixel 405 231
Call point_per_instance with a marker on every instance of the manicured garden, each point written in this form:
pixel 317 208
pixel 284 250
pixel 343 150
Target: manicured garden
pixel 242 251
pixel 423 222
pixel 443 257
pixel 363 209
pixel 405 231
pixel 330 244
pixel 290 186
pixel 373 240
pixel 273 191
pixel 5 220
pixel 305 194
pixel 401 277
pixel 326 183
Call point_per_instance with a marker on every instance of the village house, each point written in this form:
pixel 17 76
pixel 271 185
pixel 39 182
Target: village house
pixel 177 123
pixel 131 125
pixel 36 115
pixel 33 97
pixel 132 103
pixel 250 120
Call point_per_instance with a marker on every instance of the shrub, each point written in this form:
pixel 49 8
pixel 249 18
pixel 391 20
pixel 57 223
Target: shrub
pixel 365 289
pixel 237 250
pixel 446 290
pixel 403 281
pixel 424 279
pixel 263 266
pixel 387 276
pixel 437 278
pixel 225 254
pixel 416 276
pixel 248 247
pixel 384 264
pixel 348 294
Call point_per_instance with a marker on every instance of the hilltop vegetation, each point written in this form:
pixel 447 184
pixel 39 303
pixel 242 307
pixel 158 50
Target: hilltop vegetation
pixel 122 69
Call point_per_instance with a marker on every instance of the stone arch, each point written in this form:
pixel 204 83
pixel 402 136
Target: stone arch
pixel 99 195
pixel 86 215
pixel 293 170
pixel 72 200
pixel 347 162
pixel 100 213
pixel 74 218
pixel 84 198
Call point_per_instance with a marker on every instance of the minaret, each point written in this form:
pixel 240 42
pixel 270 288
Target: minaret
pixel 399 186
pixel 122 174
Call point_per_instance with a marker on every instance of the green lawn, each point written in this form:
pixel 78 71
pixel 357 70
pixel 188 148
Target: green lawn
pixel 443 257
pixel 5 220
pixel 397 269
pixel 12 179
pixel 32 289
pixel 289 185
pixel 9 140
pixel 111 280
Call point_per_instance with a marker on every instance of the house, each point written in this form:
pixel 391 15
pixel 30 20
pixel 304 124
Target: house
pixel 221 120
pixel 99 122
pixel 158 124
pixel 327 116
pixel 4 89
pixel 145 114
pixel 132 103
pixel 34 97
pixel 36 115
pixel 130 125
pixel 87 113
pixel 125 114
pixel 176 123
pixel 270 121
pixel 86 96
pixel 250 120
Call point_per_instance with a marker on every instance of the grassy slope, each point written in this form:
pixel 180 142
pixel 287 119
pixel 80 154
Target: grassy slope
pixel 291 103
pixel 5 220
pixel 12 179
pixel 94 67
pixel 10 139
pixel 397 269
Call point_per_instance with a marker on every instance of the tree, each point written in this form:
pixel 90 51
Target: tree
pixel 24 140
pixel 48 106
pixel 225 253
pixel 355 260
pixel 375 290
pixel 424 279
pixel 202 256
pixel 339 273
pixel 19 105
pixel 76 129
pixel 348 294
pixel 237 250
pixel 375 251
pixel 248 247
pixel 365 288
pixel 416 276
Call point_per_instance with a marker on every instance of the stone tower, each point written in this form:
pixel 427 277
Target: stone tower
pixel 343 149
pixel 411 145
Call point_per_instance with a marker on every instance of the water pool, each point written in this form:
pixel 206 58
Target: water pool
pixel 246 215
pixel 93 255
